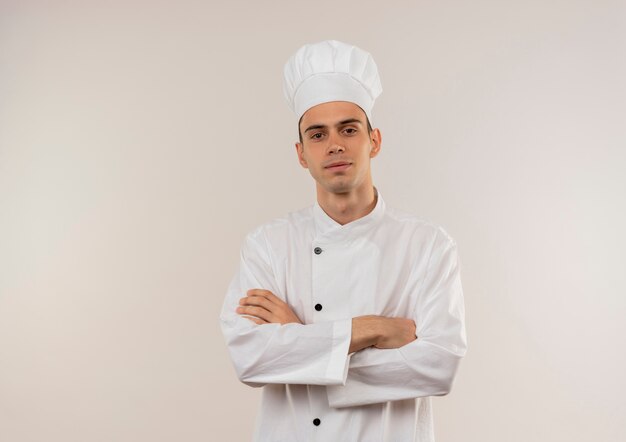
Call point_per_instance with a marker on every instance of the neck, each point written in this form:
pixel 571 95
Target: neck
pixel 348 207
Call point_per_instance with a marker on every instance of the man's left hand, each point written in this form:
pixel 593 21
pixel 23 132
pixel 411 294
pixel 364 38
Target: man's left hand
pixel 264 307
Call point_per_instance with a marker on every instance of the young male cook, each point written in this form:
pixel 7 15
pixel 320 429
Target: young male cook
pixel 349 313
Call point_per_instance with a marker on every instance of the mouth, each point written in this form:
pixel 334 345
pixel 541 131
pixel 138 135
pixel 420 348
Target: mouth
pixel 338 166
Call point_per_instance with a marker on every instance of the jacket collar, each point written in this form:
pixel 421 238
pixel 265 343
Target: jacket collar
pixel 329 230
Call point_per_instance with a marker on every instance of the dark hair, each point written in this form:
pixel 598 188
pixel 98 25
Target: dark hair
pixel 369 127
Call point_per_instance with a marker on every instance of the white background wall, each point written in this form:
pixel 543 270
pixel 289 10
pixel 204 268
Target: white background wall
pixel 140 141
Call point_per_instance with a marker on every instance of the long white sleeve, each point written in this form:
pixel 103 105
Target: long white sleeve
pixel 426 366
pixel 388 263
pixel 279 354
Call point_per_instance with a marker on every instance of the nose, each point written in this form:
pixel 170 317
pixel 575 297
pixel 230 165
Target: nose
pixel 335 147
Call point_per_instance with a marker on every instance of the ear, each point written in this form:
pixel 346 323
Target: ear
pixel 300 152
pixel 376 140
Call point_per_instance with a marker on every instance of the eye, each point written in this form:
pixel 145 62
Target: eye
pixel 317 136
pixel 350 130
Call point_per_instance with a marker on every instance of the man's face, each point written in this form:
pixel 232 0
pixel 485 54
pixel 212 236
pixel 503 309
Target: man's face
pixel 336 146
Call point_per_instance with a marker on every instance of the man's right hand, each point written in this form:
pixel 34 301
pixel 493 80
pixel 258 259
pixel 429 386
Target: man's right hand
pixel 381 332
pixel 263 307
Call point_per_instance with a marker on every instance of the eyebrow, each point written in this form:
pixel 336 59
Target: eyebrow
pixel 341 123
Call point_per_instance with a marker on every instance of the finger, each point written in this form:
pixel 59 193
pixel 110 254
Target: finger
pixel 263 293
pixel 259 301
pixel 242 301
pixel 258 321
pixel 267 295
pixel 258 312
pixel 257 292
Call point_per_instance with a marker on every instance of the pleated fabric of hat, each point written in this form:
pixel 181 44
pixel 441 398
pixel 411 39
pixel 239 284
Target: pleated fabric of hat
pixel 331 71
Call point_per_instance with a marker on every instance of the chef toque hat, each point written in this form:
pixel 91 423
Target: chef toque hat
pixel 330 71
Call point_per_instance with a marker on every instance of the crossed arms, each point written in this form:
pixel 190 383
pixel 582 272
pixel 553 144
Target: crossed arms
pixel 362 360
pixel 263 307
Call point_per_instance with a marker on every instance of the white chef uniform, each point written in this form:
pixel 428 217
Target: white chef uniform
pixel 386 263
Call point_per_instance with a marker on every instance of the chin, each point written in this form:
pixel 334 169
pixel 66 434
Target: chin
pixel 339 188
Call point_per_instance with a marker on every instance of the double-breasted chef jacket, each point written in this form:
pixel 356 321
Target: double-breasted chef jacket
pixel 386 263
